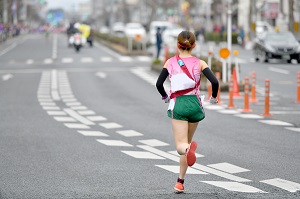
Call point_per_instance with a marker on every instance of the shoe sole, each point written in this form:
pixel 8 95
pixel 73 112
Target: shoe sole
pixel 190 155
pixel 178 191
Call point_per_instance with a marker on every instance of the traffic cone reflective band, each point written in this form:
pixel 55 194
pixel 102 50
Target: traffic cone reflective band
pixel 230 104
pixel 246 97
pixel 253 88
pixel 236 90
pixel 218 75
pixel 298 88
pixel 267 98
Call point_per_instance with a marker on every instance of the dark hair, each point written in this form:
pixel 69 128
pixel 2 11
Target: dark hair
pixel 186 40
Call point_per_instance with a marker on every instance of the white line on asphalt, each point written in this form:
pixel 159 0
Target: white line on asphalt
pixel 78 117
pixel 29 61
pixel 87 112
pixel 105 59
pixel 142 155
pixel 51 108
pixel 278 70
pixel 8 49
pixel 93 133
pixel 196 165
pixel 227 167
pixel 110 125
pixel 76 126
pixel 96 118
pixel 154 142
pixel 54 87
pixel 7 77
pixel 175 169
pixel 101 75
pixel 125 58
pixel 48 61
pixel 176 153
pixel 67 60
pixel 79 107
pixel 87 60
pixel 129 133
pixel 56 113
pixel 276 122
pixel 293 129
pixel 114 143
pixel 54 48
pixel 249 116
pixel 283 184
pixel 65 119
pixel 235 186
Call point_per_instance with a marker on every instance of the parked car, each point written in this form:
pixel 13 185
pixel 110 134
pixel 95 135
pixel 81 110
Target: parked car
pixel 276 45
pixel 118 29
pixel 134 29
pixel 261 27
pixel 171 33
pixel 153 29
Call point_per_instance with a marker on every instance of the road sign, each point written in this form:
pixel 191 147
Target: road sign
pixel 224 53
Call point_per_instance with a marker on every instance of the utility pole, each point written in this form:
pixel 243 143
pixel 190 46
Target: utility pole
pixel 229 36
pixel 4 11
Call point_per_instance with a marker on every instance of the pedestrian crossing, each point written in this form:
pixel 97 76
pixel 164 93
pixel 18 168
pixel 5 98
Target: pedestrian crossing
pixel 131 143
pixel 85 60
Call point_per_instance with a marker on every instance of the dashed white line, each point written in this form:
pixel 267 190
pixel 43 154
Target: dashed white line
pixel 110 125
pixel 76 126
pixel 114 143
pixel 153 142
pixel 227 167
pixel 78 117
pixel 129 133
pixel 175 169
pixel 142 155
pixel 93 133
pixel 276 122
pixel 283 184
pixel 235 186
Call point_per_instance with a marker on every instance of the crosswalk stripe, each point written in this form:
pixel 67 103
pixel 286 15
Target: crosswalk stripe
pixel 125 58
pixel 110 125
pixel 153 142
pixel 227 167
pixel 114 143
pixel 67 60
pixel 106 59
pixel 283 184
pixel 142 155
pixel 276 122
pixel 93 133
pixel 129 133
pixel 29 61
pixel 235 186
pixel 76 126
pixel 175 169
pixel 86 60
pixel 48 61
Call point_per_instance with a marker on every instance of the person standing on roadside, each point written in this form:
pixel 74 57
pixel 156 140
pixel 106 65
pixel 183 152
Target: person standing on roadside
pixel 158 42
pixel 185 105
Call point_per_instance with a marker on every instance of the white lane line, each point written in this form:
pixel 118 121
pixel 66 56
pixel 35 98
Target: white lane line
pixel 65 119
pixel 76 126
pixel 235 186
pixel 73 104
pixel 249 116
pixel 48 61
pixel 54 87
pixel 213 107
pixel 278 70
pixel 93 133
pixel 293 129
pixel 54 49
pixel 114 143
pixel 144 58
pixel 56 113
pixel 78 117
pixel 87 112
pixel 125 58
pixel 67 60
pixel 142 155
pixel 129 133
pixel 69 100
pixel 8 49
pixel 29 61
pixel 229 111
pixel 176 153
pixel 87 60
pixel 175 169
pixel 96 118
pixel 45 100
pixel 106 59
pixel 283 184
pixel 51 108
pixel 101 75
pixel 276 122
pixel 153 142
pixel 79 107
pixel 196 165
pixel 47 104
pixel 110 125
pixel 227 167
pixel 7 77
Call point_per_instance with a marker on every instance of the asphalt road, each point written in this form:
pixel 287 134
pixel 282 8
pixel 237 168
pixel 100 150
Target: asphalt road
pixel 92 125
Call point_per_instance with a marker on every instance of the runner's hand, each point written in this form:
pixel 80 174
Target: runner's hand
pixel 166 99
pixel 213 100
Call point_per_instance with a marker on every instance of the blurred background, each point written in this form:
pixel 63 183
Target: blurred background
pixel 205 17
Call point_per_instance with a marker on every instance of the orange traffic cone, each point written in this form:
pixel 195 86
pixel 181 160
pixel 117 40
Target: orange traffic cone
pixel 236 90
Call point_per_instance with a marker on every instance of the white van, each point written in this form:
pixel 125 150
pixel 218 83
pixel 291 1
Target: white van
pixel 153 28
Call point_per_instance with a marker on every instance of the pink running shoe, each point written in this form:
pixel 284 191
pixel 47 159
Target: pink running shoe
pixel 179 188
pixel 190 154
